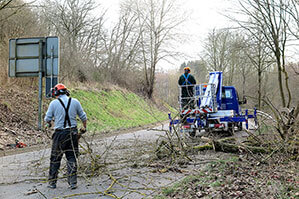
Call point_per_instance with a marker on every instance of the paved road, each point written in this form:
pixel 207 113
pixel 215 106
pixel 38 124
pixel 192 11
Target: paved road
pixel 24 175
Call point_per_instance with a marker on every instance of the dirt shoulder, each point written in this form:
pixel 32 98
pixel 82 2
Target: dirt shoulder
pixel 18 113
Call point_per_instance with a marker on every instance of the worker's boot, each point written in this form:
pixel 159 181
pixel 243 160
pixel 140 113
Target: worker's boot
pixel 52 186
pixel 73 186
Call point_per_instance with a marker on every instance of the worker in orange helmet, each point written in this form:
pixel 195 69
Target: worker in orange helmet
pixel 64 111
pixel 186 81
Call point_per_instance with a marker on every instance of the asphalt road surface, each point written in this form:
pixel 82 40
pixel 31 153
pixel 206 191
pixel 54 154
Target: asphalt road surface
pixel 24 175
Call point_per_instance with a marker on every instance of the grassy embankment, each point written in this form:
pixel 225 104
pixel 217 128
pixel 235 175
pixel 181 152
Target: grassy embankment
pixel 117 109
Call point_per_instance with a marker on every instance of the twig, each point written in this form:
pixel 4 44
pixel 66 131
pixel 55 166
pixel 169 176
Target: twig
pixel 274 151
pixel 41 193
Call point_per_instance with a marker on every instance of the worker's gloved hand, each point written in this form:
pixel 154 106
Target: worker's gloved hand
pixel 82 130
pixel 48 125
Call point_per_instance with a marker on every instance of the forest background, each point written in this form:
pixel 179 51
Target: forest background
pixel 257 52
pixel 257 55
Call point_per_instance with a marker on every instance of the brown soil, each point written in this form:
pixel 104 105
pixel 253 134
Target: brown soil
pixel 18 116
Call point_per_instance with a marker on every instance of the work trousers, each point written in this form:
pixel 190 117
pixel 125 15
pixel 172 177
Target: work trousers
pixel 64 142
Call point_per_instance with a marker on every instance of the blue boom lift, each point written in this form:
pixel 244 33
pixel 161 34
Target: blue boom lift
pixel 212 107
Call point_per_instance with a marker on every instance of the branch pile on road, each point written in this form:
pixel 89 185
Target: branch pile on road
pixel 114 167
pixel 262 164
pixel 230 145
pixel 272 135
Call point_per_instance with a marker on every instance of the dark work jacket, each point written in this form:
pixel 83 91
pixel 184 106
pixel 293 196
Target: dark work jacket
pixel 187 91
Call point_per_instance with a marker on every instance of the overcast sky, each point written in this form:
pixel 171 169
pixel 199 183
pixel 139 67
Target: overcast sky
pixel 204 16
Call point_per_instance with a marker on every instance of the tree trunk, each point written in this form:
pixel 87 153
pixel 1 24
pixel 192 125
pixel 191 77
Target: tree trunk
pixel 224 146
pixel 280 78
pixel 284 70
pixel 259 89
pixel 287 87
pixel 150 92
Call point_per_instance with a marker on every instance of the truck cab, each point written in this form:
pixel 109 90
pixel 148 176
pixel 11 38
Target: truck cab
pixel 230 99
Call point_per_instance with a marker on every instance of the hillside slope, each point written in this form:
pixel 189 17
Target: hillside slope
pixel 107 110
pixel 117 109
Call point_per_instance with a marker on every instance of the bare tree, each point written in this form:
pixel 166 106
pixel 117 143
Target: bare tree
pixel 261 59
pixel 17 19
pixel 217 50
pixel 225 51
pixel 8 9
pixel 293 11
pixel 159 20
pixel 73 21
pixel 121 48
pixel 13 6
pixel 271 18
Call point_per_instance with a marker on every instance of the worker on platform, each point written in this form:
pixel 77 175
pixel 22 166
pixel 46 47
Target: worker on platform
pixel 64 110
pixel 186 82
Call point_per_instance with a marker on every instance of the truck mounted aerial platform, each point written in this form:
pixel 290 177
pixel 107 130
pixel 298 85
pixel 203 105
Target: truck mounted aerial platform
pixel 212 107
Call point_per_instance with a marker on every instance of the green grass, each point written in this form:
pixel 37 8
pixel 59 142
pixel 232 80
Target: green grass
pixel 263 128
pixel 201 179
pixel 182 185
pixel 115 109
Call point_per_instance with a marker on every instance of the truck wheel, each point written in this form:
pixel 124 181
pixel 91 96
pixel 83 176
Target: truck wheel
pixel 192 133
pixel 240 127
pixel 231 130
pixel 208 131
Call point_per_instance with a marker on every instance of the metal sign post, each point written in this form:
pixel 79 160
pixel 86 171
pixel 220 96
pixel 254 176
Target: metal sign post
pixel 51 73
pixel 35 57
pixel 40 84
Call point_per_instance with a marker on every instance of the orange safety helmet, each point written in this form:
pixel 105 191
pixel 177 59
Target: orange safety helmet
pixel 187 69
pixel 59 89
